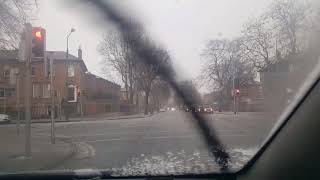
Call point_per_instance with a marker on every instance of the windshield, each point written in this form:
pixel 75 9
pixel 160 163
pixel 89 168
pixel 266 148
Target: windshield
pixel 139 87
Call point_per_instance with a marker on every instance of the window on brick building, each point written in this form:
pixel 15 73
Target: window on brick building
pixel 9 92
pixel 36 90
pixel 2 92
pixel 54 70
pixel 46 90
pixel 6 73
pixel 70 71
pixel 72 93
pixel 33 71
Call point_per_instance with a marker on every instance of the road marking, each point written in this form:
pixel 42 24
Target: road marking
pixel 156 137
pixel 150 132
pixel 119 133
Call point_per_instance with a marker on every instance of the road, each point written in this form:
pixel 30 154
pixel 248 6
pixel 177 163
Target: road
pixel 165 142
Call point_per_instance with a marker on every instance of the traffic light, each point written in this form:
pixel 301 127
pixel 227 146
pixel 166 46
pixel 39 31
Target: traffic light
pixel 78 92
pixel 38 42
pixel 237 91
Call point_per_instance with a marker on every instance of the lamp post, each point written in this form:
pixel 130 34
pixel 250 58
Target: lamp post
pixel 71 31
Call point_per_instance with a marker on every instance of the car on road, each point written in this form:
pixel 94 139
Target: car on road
pixel 162 110
pixel 4 118
pixel 200 109
pixel 190 109
pixel 208 109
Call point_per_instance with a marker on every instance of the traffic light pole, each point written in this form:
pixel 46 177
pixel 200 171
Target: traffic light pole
pixel 28 108
pixel 18 101
pixel 53 138
pixel 234 96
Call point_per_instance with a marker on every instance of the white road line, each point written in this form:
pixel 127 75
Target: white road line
pixel 148 138
pixel 118 133
pixel 147 132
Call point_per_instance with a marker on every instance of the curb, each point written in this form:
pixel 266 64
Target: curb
pixel 67 157
pixel 91 119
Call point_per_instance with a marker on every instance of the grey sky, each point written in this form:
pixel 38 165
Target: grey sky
pixel 182 26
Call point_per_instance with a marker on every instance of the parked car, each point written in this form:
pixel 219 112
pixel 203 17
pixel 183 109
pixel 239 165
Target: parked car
pixel 4 118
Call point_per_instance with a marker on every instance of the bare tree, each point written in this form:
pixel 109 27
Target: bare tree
pixel 290 19
pixel 117 53
pixel 13 14
pixel 224 63
pixel 146 73
pixel 277 33
pixel 258 43
pixel 160 92
pixel 114 51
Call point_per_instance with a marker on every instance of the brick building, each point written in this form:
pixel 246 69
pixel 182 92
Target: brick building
pixel 84 92
pixel 251 98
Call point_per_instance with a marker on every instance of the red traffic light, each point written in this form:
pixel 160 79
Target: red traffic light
pixel 237 91
pixel 38 35
pixel 38 41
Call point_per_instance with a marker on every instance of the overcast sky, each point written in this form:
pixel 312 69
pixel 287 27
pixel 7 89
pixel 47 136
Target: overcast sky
pixel 181 26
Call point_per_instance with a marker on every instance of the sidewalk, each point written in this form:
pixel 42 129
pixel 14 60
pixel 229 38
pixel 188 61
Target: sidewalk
pixel 98 117
pixel 44 155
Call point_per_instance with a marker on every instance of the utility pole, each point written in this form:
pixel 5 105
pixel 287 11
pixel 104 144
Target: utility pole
pixel 53 138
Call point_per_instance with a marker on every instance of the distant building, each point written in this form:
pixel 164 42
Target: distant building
pixel 84 92
pixel 282 79
pixel 100 95
pixel 251 98
pixel 123 95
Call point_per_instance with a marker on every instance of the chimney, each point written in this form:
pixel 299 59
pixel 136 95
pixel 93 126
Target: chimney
pixel 80 53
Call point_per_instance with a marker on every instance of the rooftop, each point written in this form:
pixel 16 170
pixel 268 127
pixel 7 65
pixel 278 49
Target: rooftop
pixel 100 78
pixel 8 54
pixel 61 55
pixel 57 55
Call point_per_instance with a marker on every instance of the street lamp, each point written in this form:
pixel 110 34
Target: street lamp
pixel 72 30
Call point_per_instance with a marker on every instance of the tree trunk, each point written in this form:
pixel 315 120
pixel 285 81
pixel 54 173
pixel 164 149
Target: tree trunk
pixel 220 103
pixel 131 94
pixel 126 87
pixel 146 103
pixel 130 83
pixel 137 102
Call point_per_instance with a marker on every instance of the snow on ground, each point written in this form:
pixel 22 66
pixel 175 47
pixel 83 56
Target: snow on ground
pixel 181 162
